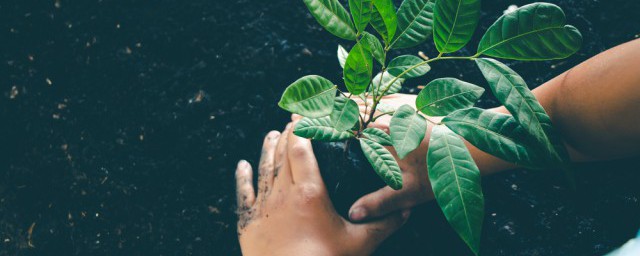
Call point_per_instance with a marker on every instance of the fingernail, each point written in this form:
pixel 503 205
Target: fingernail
pixel 242 165
pixel 357 214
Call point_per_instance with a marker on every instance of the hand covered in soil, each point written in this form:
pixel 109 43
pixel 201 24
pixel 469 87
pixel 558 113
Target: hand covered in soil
pixel 416 187
pixel 291 213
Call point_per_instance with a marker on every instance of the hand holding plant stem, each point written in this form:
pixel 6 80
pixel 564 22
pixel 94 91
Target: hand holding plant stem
pixel 533 32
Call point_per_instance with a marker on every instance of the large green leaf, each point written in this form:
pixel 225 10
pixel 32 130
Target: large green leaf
pixel 375 46
pixel 358 68
pixel 361 13
pixel 512 91
pixel 385 80
pixel 384 19
pixel 455 179
pixel 415 23
pixel 454 23
pixel 378 136
pixel 345 114
pixel 533 32
pixel 333 17
pixel 407 130
pixel 404 63
pixel 495 133
pixel 320 129
pixel 382 162
pixel 445 95
pixel 310 96
pixel 342 55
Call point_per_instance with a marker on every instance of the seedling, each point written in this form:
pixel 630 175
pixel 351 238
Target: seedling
pixel 533 32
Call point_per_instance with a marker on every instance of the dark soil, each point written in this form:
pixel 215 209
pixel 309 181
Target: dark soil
pixel 122 122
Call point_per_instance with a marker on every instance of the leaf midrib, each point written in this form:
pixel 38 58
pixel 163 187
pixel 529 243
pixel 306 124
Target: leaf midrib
pixel 336 15
pixel 296 103
pixel 464 206
pixel 445 98
pixel 455 21
pixel 404 31
pixel 539 123
pixel 516 37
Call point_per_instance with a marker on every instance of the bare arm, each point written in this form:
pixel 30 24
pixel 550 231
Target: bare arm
pixel 595 106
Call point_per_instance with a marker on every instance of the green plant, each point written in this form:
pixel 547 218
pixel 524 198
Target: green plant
pixel 533 32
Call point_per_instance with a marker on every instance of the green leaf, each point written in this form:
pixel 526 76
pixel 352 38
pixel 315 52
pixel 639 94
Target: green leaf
pixel 379 136
pixel 310 96
pixel 445 95
pixel 454 23
pixel 320 129
pixel 386 82
pixel 384 19
pixel 358 68
pixel 333 17
pixel 383 163
pixel 512 91
pixel 407 130
pixel 415 23
pixel 375 46
pixel 455 179
pixel 404 63
pixel 345 114
pixel 342 55
pixel 361 13
pixel 495 133
pixel 386 108
pixel 533 32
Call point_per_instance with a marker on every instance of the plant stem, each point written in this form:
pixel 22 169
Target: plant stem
pixel 376 100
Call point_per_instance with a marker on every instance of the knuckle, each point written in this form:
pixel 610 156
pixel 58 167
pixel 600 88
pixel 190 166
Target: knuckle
pixel 299 150
pixel 308 192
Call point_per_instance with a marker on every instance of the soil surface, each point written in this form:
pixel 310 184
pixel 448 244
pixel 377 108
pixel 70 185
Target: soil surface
pixel 122 122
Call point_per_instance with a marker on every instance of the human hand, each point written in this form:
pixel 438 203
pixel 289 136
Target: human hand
pixel 291 213
pixel 416 187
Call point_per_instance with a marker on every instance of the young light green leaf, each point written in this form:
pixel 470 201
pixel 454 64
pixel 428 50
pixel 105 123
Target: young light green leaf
pixel 533 32
pixel 358 68
pixel 402 65
pixel 386 108
pixel 384 19
pixel 310 96
pixel 512 91
pixel 345 114
pixel 495 133
pixel 445 95
pixel 342 55
pixel 385 80
pixel 361 13
pixel 333 17
pixel 415 23
pixel 455 179
pixel 407 130
pixel 375 46
pixel 382 162
pixel 454 23
pixel 378 136
pixel 320 129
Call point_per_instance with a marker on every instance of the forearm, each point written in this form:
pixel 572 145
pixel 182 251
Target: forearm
pixel 595 106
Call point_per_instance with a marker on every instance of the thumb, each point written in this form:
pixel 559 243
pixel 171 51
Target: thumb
pixel 380 203
pixel 370 235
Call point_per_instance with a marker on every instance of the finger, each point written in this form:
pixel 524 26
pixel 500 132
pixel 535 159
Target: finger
pixel 283 171
pixel 370 235
pixel 304 166
pixel 295 117
pixel 244 186
pixel 380 203
pixel 266 166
